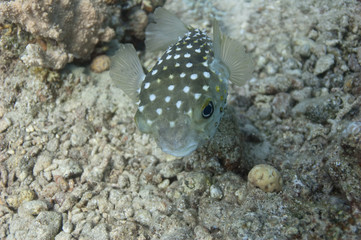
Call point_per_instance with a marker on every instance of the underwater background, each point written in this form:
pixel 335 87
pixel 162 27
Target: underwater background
pixel 285 162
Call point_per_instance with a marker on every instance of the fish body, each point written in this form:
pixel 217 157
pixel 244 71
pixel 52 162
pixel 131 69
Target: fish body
pixel 181 100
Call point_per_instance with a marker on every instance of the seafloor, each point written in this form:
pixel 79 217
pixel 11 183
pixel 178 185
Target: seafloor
pixel 74 166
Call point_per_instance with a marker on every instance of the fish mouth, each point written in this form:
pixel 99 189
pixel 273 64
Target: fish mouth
pixel 179 141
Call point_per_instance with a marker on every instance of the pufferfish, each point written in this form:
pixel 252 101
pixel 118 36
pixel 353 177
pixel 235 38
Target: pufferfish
pixel 181 100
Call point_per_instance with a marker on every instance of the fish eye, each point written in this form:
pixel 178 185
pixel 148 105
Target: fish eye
pixel 207 109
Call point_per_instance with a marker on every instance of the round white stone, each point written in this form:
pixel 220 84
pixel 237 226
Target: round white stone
pixel 152 97
pixel 194 76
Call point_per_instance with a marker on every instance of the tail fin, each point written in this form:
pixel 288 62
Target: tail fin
pixel 233 55
pixel 166 31
pixel 126 71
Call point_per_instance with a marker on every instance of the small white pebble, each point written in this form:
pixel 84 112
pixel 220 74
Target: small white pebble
pixel 266 178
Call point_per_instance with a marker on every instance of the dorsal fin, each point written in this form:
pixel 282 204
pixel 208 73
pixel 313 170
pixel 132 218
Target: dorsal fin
pixel 231 53
pixel 126 70
pixel 165 31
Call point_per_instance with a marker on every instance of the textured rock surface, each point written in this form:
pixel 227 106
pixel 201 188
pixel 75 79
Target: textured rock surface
pixel 73 165
pixel 75 26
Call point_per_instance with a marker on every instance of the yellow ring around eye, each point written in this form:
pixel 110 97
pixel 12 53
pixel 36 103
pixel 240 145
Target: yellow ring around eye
pixel 205 104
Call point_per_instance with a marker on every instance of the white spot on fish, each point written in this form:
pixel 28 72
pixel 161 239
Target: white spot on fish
pixel 152 97
pixel 171 76
pixel 154 72
pixel 187 55
pixel 198 50
pixel 171 124
pixel 187 38
pixel 197 96
pixel 178 104
pixel 182 75
pixel 168 57
pixel 160 61
pixel 188 65
pixel 141 108
pixel 205 87
pixel 177 65
pixel 194 76
pixel 149 122
pixel 186 89
pixel 178 49
pixel 159 111
pixel 170 87
pixel 205 63
pixel 176 56
pixel 167 99
pixel 206 74
pixel 146 85
pixel 189 46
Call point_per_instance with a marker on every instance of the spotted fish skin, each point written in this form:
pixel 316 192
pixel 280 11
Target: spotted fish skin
pixel 182 98
pixel 176 91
